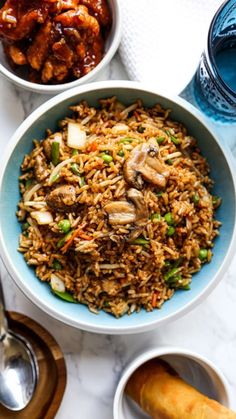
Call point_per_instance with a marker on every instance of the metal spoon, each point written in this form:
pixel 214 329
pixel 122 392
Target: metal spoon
pixel 18 366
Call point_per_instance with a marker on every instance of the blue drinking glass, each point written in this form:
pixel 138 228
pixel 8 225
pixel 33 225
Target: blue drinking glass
pixel 215 79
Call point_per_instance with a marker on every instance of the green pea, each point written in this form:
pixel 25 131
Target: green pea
pixel 175 140
pixel 28 183
pixel 75 153
pixel 141 241
pixel 121 153
pixel 65 296
pixel 75 169
pixel 160 140
pixel 195 199
pixel 25 226
pixel 107 158
pixel 170 231
pixel 141 129
pixel 202 254
pixel 55 152
pixel 56 265
pixel 156 217
pixel 106 304
pixel 169 218
pixel 64 226
pixel 159 194
pixel 169 162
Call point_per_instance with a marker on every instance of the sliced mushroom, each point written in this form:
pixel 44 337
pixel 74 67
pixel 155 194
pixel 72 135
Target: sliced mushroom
pixel 120 212
pixel 40 168
pixel 140 206
pixel 62 198
pixel 144 164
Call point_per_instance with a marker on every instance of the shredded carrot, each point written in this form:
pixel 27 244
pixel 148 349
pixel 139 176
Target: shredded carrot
pixel 77 233
pixel 154 299
pixel 93 146
pixel 84 236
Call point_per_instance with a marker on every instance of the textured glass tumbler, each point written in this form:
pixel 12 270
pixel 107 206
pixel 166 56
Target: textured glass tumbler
pixel 215 80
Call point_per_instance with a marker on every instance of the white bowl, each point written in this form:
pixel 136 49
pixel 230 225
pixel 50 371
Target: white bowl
pixel 197 370
pixel 111 46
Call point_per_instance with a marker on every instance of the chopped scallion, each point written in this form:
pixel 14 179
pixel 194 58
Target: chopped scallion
pixel 171 274
pixel 216 200
pixel 65 296
pixel 160 140
pixel 62 241
pixel 75 169
pixel 141 241
pixel 55 153
pixel 174 140
pixel 75 152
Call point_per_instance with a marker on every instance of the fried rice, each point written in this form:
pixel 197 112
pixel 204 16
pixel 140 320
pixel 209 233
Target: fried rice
pixel 116 208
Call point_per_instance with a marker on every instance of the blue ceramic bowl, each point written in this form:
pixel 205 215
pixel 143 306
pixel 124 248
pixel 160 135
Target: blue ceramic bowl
pixel 78 315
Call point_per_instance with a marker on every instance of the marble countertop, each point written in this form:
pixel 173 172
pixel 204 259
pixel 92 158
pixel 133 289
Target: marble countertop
pixel 95 362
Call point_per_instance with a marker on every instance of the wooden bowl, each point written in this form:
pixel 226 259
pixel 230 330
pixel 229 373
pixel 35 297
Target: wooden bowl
pixel 52 370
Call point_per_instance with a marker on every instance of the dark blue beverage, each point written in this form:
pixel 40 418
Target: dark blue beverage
pixel 226 65
pixel 215 80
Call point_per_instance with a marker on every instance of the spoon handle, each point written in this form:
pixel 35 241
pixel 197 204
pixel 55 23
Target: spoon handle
pixel 3 319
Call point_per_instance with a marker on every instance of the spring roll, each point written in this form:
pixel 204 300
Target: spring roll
pixel 161 393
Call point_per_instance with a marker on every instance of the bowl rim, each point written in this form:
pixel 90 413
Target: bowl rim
pixel 58 88
pixel 157 352
pixel 91 325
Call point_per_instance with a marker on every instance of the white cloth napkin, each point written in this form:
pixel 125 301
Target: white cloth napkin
pixel 162 40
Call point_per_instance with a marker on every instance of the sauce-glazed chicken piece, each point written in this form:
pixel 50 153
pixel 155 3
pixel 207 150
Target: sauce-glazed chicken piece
pixel 56 40
pixel 62 198
pixel 18 18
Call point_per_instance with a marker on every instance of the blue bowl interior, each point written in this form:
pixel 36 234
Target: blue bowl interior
pixel 10 228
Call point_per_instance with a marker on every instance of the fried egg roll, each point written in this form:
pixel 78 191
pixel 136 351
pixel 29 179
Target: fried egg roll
pixel 161 393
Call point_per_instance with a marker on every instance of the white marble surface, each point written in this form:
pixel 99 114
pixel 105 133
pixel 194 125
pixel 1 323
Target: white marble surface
pixel 95 362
